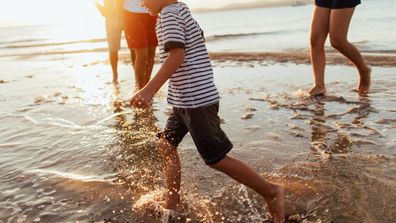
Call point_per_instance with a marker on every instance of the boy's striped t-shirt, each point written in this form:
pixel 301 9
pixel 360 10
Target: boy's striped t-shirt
pixel 192 85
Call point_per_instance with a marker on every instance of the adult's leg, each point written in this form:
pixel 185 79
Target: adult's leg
pixel 273 194
pixel 339 25
pixel 113 56
pixel 172 171
pixel 150 63
pixel 133 57
pixel 140 67
pixel 319 32
pixel 113 34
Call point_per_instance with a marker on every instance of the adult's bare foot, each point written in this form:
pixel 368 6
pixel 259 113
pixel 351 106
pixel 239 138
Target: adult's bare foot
pixel 317 91
pixel 276 205
pixel 115 81
pixel 364 82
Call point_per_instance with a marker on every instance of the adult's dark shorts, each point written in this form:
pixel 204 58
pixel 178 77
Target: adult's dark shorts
pixel 337 4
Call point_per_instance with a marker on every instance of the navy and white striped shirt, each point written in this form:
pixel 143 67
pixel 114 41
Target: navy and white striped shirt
pixel 192 85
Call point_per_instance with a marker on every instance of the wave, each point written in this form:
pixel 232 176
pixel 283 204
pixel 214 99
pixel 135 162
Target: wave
pixel 239 35
pixel 17 44
pixel 74 176
pixel 51 44
pixel 21 41
pixel 375 57
pixel 57 52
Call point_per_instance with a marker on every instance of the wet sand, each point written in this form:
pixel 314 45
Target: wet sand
pixel 334 58
pixel 73 150
pixel 374 58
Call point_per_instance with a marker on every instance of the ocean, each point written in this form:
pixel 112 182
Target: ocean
pixel 373 29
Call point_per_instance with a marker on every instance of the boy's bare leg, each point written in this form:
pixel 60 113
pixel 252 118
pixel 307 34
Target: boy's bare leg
pixel 172 171
pixel 319 32
pixel 339 25
pixel 273 194
pixel 113 56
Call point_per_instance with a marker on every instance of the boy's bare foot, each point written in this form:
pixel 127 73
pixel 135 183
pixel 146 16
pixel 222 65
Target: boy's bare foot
pixel 176 217
pixel 364 82
pixel 317 91
pixel 276 205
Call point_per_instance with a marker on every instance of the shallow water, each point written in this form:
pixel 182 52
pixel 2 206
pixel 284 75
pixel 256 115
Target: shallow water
pixel 72 150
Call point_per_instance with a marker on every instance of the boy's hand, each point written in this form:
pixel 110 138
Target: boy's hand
pixel 141 99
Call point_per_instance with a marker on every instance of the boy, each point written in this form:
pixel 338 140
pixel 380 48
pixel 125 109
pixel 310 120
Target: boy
pixel 195 101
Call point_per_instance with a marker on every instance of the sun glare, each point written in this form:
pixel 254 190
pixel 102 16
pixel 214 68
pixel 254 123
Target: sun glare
pixel 69 11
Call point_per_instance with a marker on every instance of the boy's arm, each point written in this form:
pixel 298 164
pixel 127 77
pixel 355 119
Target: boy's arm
pixel 175 59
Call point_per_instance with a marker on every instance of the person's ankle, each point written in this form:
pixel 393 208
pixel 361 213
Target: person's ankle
pixel 273 191
pixel 365 71
pixel 174 207
pixel 319 86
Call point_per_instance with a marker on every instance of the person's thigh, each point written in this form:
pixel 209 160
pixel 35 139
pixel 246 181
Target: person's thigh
pixel 320 25
pixel 113 33
pixel 135 30
pixel 339 23
pixel 151 34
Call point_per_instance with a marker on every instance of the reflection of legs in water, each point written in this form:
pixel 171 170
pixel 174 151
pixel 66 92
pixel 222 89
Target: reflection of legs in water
pixel 117 108
pixel 363 110
pixel 133 156
pixel 143 119
pixel 318 133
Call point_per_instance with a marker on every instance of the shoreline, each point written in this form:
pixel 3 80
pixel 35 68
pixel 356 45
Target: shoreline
pixel 332 58
pixel 374 58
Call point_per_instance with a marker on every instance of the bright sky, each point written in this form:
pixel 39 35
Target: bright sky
pixel 28 12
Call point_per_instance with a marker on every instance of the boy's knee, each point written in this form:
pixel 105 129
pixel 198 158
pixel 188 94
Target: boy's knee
pixel 213 166
pixel 218 165
pixel 165 147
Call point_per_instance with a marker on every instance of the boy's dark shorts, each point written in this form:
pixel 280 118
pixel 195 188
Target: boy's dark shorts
pixel 204 127
pixel 337 4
